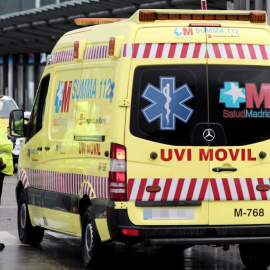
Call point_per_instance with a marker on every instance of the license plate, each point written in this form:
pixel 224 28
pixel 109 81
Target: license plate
pixel 168 213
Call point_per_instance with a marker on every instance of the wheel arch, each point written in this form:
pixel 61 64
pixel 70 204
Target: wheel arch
pixel 18 190
pixel 83 204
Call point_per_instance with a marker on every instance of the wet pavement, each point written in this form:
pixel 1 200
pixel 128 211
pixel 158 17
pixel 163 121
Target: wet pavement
pixel 59 251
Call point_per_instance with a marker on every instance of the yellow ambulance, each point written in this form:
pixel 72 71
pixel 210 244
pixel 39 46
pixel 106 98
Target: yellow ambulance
pixel 153 130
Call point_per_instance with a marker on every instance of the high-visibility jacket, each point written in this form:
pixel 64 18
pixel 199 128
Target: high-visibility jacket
pixel 6 147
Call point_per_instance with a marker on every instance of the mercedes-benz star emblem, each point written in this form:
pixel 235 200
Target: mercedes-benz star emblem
pixel 209 135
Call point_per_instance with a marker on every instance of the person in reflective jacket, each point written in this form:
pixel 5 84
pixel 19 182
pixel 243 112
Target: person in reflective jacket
pixel 6 160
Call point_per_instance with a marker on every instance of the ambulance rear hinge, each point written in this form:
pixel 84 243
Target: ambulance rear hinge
pixel 124 102
pixel 120 205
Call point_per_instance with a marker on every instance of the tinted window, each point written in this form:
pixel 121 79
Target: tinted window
pixel 37 114
pixel 240 102
pixel 168 102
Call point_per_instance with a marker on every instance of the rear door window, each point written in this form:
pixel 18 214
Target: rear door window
pixel 239 99
pixel 168 102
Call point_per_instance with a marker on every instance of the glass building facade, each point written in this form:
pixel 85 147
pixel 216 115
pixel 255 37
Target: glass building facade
pixel 11 6
pixel 20 74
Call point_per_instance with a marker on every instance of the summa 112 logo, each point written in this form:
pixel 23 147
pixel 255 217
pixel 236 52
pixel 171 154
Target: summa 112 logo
pixel 256 102
pixel 90 88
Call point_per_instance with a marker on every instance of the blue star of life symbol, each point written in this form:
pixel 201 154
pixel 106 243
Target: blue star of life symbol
pixel 232 95
pixel 167 103
pixel 59 97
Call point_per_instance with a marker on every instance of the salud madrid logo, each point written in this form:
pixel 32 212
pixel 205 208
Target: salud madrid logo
pixel 167 103
pixel 256 103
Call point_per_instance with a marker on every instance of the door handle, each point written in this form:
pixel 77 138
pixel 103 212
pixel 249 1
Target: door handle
pixel 47 148
pixel 220 169
pixel 39 148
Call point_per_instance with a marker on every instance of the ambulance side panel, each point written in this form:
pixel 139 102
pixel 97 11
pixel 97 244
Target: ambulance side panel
pixel 31 163
pixel 54 184
pixel 101 116
pixel 59 167
pixel 85 117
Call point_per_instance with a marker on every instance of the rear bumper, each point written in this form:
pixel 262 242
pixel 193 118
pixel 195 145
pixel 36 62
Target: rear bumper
pixel 205 241
pixel 184 235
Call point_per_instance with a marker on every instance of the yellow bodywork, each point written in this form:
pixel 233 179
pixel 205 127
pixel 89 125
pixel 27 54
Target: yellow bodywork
pixel 95 111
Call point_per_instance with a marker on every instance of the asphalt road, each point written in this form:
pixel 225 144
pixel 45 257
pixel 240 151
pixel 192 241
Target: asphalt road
pixel 58 251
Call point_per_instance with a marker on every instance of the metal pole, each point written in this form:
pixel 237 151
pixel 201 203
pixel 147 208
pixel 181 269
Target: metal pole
pixel 15 77
pixel 268 10
pixel 247 4
pixel 37 4
pixel 259 4
pixel 241 5
pixel 5 74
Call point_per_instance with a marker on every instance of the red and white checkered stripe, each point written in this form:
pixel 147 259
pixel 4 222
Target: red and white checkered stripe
pixel 96 52
pixel 164 50
pixel 21 176
pixel 63 56
pixel 196 50
pixel 173 50
pixel 93 186
pixel 238 51
pixel 174 189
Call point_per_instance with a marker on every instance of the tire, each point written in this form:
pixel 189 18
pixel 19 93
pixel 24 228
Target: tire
pixel 90 238
pixel 255 256
pixel 92 246
pixel 27 233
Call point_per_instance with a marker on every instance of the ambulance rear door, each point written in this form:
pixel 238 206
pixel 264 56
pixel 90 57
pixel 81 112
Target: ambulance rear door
pixel 239 121
pixel 167 182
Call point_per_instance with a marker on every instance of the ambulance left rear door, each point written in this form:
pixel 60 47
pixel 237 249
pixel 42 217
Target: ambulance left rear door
pixel 169 105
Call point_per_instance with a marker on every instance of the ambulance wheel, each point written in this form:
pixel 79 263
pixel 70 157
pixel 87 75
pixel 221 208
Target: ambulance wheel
pixel 27 233
pixel 255 255
pixel 91 242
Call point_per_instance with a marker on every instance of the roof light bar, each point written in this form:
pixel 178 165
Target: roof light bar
pixel 95 21
pixel 258 16
pixel 151 16
pixel 147 16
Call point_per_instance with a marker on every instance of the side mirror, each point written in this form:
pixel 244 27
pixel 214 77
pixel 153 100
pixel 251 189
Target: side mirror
pixel 16 123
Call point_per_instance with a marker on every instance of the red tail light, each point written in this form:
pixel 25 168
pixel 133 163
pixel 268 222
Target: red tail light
pixel 130 232
pixel 117 174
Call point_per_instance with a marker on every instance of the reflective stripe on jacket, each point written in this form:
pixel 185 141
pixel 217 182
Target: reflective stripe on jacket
pixel 6 147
